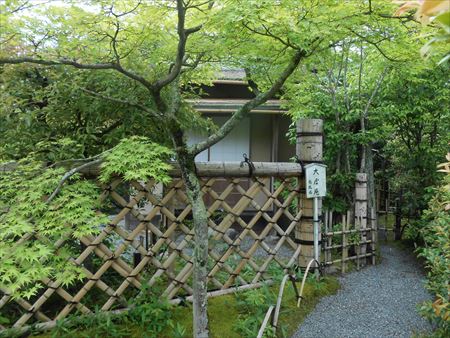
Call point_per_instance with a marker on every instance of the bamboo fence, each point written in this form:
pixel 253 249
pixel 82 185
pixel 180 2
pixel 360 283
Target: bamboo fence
pixel 254 218
pixel 251 230
pixel 344 241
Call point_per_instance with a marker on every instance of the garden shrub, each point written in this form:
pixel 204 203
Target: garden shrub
pixel 436 251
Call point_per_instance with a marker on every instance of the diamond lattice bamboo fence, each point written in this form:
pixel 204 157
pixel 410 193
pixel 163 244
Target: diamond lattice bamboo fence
pixel 251 222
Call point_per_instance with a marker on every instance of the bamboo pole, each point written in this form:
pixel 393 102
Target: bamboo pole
pixel 344 244
pixel 374 239
pixel 325 225
pixel 229 169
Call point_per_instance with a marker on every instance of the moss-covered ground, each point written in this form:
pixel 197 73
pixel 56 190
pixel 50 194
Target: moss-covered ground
pixel 224 312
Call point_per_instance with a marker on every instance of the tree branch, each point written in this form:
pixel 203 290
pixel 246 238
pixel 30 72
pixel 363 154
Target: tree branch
pixel 268 33
pixel 125 102
pixel 109 129
pixel 70 173
pixel 251 83
pixel 183 35
pixel 118 15
pixel 375 44
pixel 243 111
pixel 374 91
pixel 67 62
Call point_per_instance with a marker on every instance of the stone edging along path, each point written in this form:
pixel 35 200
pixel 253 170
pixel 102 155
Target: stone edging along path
pixel 377 301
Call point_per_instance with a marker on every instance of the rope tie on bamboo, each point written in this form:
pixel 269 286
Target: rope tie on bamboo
pixel 219 231
pixel 251 166
pixel 299 161
pixel 259 182
pixel 176 281
pixel 248 196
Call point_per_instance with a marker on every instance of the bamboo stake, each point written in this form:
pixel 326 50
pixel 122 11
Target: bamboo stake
pixel 344 244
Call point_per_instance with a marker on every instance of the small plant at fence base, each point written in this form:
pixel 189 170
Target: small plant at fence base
pixel 253 306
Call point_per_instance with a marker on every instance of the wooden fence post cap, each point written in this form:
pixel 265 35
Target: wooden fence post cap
pixel 310 125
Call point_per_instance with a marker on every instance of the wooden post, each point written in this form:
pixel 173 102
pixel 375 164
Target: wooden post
pixel 344 244
pixel 325 225
pixel 398 217
pixel 330 238
pixel 373 222
pixel 309 149
pixel 361 210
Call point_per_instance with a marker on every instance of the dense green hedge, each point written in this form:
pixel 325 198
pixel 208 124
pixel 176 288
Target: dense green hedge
pixel 436 251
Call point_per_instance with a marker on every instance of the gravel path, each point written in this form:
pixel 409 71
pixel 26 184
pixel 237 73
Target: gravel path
pixel 377 301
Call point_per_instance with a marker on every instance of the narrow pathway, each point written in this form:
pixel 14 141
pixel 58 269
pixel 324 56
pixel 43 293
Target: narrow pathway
pixel 377 301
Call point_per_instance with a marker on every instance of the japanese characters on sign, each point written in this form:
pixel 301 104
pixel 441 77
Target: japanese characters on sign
pixel 315 180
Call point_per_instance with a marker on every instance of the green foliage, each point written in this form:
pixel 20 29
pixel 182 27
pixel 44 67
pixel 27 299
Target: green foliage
pixel 43 109
pixel 149 316
pixel 253 306
pixel 25 212
pixel 413 101
pixel 436 251
pixel 137 158
pixel 151 313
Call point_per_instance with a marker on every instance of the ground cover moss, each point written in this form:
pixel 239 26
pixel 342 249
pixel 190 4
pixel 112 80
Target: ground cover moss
pixel 223 311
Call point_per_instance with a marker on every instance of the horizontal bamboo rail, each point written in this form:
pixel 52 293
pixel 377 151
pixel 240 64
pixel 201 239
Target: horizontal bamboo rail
pixel 230 169
pixel 349 258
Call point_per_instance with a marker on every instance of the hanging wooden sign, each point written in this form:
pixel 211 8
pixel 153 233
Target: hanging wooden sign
pixel 316 179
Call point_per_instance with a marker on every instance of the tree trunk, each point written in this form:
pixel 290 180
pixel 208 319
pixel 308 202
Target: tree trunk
pixel 200 218
pixel 370 178
pixel 398 217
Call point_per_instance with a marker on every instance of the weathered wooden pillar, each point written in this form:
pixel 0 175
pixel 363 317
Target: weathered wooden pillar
pixel 374 232
pixel 361 212
pixel 309 149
